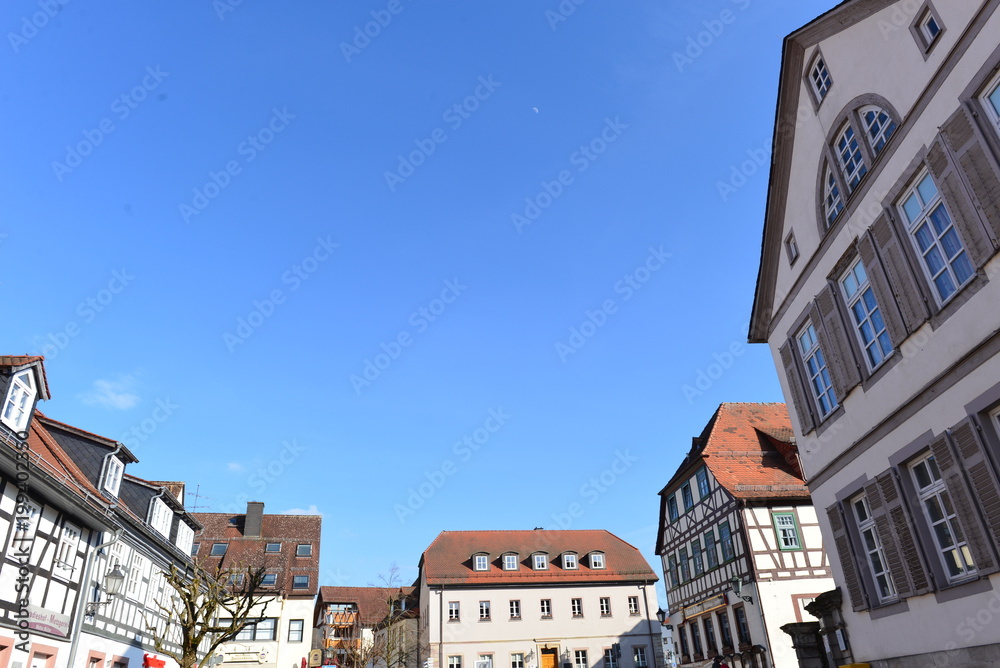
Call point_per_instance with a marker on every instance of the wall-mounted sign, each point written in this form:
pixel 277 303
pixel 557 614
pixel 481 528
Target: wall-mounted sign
pixel 47 621
pixel 704 606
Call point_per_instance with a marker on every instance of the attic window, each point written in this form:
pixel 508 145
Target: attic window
pixel 510 562
pixel 481 562
pixel 540 561
pixel 569 561
pixel 20 398
pixel 219 549
pixel 269 580
pixel 113 475
pixel 272 547
pixel 597 560
pixel 303 550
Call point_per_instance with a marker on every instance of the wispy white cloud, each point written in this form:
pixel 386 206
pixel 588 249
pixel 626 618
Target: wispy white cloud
pixel 235 466
pixel 311 510
pixel 116 393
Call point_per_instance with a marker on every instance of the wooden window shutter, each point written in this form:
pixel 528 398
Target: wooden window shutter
pixel 800 396
pixel 851 579
pixel 912 306
pixel 982 475
pixel 833 341
pixel 969 149
pixel 894 529
pixel 949 183
pixel 965 510
pixel 883 294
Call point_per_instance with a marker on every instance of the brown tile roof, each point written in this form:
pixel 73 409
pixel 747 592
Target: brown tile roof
pixel 372 602
pixel 289 530
pixel 17 361
pixel 750 450
pixel 448 560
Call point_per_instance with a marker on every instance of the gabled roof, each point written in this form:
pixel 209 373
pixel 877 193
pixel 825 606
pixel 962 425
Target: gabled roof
pixel 749 449
pixel 372 602
pixel 19 362
pixel 448 560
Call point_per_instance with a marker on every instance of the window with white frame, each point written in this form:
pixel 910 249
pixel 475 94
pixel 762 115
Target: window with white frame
pixel 20 397
pixel 510 562
pixel 610 658
pixel 545 605
pixel 576 606
pixel 942 254
pixel 597 560
pixel 879 127
pixel 872 544
pixel 69 540
pixel 481 562
pixel 136 566
pixel 991 101
pixel 269 580
pixel 304 550
pixel 300 582
pixel 569 561
pixel 580 658
pixel 272 547
pixel 484 610
pixel 787 531
pixel 515 609
pixel 820 383
pixel 833 203
pixel 264 629
pixel 639 657
pixel 454 662
pixel 605 604
pixel 791 248
pixel 113 475
pixel 929 27
pixel 218 549
pixel 633 605
pixel 852 162
pixel 866 315
pixel 484 661
pixel 939 512
pixel 541 561
pixel 517 660
pixel 295 630
pixel 185 537
pixel 160 517
pixel 453 611
pixel 819 77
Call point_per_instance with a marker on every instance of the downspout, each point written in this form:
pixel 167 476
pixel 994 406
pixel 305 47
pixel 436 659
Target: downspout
pixel 81 599
pixel 440 628
pixel 649 626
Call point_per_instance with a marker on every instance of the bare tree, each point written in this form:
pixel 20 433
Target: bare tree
pixel 392 640
pixel 200 600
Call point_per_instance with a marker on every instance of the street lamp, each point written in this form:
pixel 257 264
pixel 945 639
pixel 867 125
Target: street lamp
pixel 661 615
pixel 113 582
pixel 737 586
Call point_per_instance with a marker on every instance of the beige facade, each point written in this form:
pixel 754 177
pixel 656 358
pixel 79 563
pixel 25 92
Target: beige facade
pixel 877 296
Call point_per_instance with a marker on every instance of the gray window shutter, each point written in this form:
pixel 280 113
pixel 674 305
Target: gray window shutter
pixel 846 555
pixel 883 295
pixel 800 395
pixel 833 341
pixel 982 475
pixel 912 306
pixel 965 510
pixel 969 149
pixel 949 183
pixel 894 530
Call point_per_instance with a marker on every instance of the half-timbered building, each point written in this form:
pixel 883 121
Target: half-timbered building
pixel 739 540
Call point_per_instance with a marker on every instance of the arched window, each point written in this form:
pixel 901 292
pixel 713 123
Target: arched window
pixel 833 203
pixel 879 126
pixel 852 162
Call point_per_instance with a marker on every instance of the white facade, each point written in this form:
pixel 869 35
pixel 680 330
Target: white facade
pixel 913 587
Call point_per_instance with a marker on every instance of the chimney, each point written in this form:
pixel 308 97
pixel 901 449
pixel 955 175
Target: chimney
pixel 254 520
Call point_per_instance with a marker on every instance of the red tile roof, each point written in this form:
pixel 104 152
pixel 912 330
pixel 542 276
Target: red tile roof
pixel 750 450
pixel 372 602
pixel 243 551
pixel 448 560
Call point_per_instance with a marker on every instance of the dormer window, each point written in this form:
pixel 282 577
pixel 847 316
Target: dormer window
pixel 540 561
pixel 160 517
pixel 569 561
pixel 510 562
pixel 20 398
pixel 481 562
pixel 185 537
pixel 113 475
pixel 597 560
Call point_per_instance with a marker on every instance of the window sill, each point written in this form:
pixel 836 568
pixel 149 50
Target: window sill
pixel 963 588
pixel 546 617
pixel 957 300
pixel 515 619
pixel 455 621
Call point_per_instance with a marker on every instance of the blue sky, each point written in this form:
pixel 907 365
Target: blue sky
pixel 412 265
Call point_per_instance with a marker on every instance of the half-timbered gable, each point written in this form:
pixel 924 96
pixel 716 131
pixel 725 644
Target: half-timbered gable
pixel 738 534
